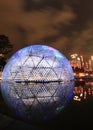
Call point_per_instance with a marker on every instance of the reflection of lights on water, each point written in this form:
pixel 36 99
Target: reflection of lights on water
pixel 76 98
pixel 83 92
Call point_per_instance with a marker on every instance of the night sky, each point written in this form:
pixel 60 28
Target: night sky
pixel 66 25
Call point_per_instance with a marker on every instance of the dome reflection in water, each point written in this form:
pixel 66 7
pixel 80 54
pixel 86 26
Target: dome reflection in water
pixel 37 83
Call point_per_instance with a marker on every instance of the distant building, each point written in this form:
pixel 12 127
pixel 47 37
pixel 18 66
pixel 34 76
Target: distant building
pixel 77 61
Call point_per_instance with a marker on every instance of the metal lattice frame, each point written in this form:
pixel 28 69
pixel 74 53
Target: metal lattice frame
pixel 36 82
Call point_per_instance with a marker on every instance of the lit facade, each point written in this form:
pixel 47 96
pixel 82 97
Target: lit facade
pixel 77 60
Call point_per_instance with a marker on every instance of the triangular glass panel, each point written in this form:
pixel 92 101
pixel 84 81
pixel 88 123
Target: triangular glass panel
pixel 28 102
pixel 44 64
pixel 50 61
pixel 36 60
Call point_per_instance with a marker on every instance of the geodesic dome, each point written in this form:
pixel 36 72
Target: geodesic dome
pixel 37 82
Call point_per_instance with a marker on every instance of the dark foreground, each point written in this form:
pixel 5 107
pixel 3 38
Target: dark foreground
pixel 76 116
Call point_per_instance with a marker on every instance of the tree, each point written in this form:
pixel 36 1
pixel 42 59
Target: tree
pixel 5 48
pixel 5 45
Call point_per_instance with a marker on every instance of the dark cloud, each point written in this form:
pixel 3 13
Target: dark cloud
pixel 63 24
pixel 30 5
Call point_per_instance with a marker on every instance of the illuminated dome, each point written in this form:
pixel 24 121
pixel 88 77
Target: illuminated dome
pixel 37 82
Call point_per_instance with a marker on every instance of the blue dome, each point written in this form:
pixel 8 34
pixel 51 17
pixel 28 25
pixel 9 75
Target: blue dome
pixel 37 82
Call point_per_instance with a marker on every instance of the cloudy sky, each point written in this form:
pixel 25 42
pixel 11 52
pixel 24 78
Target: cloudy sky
pixel 66 25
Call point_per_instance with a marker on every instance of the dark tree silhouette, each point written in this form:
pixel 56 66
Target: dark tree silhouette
pixel 5 48
pixel 5 45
